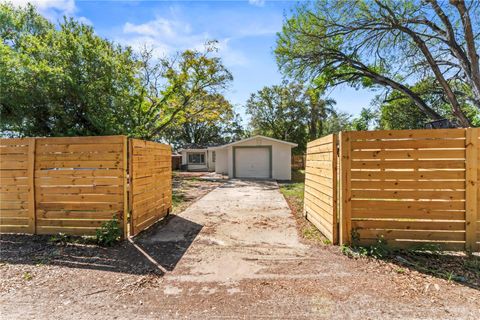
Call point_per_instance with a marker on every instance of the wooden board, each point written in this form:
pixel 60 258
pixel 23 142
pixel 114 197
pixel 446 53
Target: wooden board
pixel 320 201
pixel 79 183
pixel 16 178
pixel 410 187
pixel 150 195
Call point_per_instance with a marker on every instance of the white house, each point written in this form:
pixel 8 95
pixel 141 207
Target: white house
pixel 198 158
pixel 258 157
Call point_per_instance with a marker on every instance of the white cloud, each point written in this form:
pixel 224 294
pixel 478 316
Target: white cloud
pixel 168 36
pixel 50 9
pixel 258 3
pixel 85 20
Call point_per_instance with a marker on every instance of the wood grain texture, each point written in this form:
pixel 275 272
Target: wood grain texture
pixel 69 185
pixel 16 185
pixel 320 201
pixel 150 195
pixel 410 186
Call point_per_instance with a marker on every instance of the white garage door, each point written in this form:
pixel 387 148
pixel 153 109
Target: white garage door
pixel 252 163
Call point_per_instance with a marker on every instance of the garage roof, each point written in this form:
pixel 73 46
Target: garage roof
pixel 255 137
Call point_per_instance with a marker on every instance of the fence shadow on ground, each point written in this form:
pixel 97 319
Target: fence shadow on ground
pixel 167 241
pixel 75 252
pixel 452 266
pixel 43 250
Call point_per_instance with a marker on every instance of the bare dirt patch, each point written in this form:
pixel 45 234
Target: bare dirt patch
pixel 189 186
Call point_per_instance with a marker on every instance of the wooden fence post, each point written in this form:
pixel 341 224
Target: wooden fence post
pixel 125 187
pixel 471 188
pixel 131 186
pixel 346 192
pixel 335 226
pixel 31 186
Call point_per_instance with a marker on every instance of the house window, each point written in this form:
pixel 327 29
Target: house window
pixel 213 156
pixel 196 158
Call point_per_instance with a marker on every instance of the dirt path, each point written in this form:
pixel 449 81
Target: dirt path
pixel 235 253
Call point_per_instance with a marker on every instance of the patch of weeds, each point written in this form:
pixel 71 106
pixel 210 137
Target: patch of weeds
pixel 109 233
pixel 311 233
pixel 400 270
pixel 378 250
pixel 472 264
pixel 63 239
pixel 430 248
pixel 60 239
pixel 27 276
pixel 177 199
pixel 326 241
pixel 353 252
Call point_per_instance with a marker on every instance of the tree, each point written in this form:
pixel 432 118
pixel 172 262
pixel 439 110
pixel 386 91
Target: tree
pixel 294 113
pixel 396 111
pixel 65 81
pixel 280 112
pixel 386 44
pixel 179 87
pixel 319 109
pixel 220 126
pixel 367 120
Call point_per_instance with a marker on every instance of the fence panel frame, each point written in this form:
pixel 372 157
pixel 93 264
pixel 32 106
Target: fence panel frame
pixel 346 192
pixel 32 217
pixel 472 197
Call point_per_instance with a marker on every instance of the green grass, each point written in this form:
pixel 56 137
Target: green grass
pixel 177 199
pixel 293 192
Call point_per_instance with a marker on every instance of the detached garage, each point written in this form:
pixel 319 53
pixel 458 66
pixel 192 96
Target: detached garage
pixel 257 157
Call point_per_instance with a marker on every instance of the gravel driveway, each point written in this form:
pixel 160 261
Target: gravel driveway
pixel 233 254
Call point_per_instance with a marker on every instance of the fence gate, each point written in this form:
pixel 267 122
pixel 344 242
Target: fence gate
pixel 320 205
pixel 411 188
pixel 73 185
pixel 150 169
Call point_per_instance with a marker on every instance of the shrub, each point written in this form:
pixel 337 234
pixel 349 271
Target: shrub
pixel 109 233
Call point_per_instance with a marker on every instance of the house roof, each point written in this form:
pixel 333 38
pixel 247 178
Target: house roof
pixel 197 146
pixel 193 146
pixel 256 137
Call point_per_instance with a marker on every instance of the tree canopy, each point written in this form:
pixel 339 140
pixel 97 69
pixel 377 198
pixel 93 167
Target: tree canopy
pixel 293 112
pixel 65 80
pixel 388 44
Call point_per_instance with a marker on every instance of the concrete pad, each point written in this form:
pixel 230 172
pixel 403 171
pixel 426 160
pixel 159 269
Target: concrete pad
pixel 246 227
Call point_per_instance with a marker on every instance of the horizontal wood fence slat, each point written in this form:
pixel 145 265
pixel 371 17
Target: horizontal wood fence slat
pixel 73 185
pixel 408 187
pixel 150 183
pixel 320 203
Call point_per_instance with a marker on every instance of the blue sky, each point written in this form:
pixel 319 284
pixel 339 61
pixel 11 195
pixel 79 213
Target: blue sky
pixel 246 31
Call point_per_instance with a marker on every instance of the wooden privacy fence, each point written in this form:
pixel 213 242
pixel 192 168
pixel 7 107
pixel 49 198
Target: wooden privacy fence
pixel 408 187
pixel 151 183
pixel 298 161
pixel 73 185
pixel 320 203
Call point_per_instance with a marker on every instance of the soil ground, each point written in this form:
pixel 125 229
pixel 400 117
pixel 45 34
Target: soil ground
pixel 233 252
